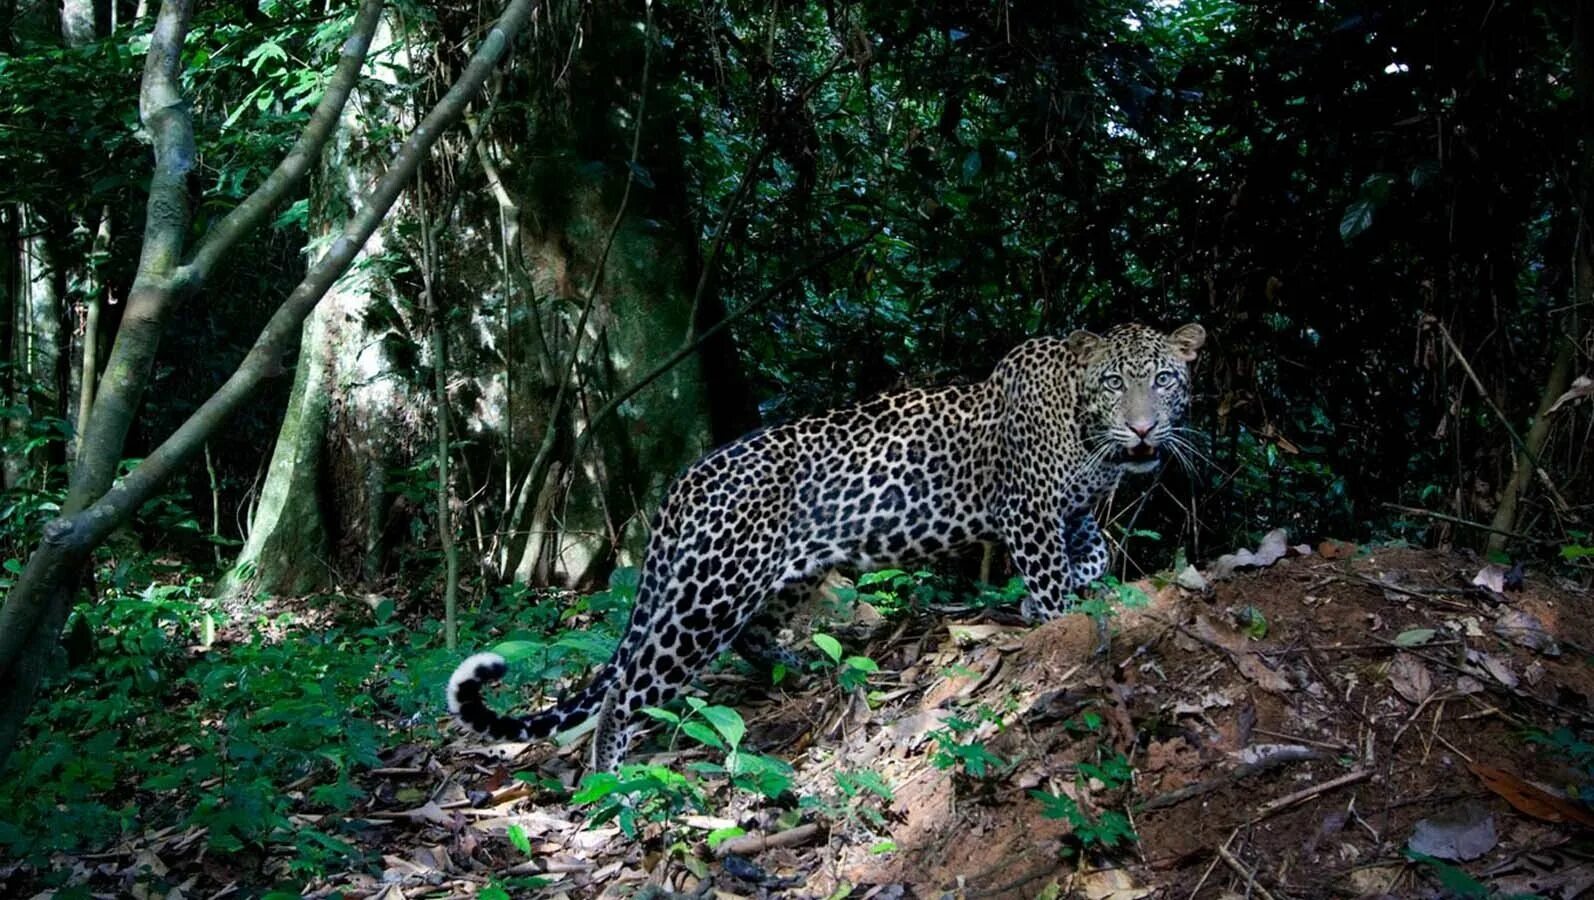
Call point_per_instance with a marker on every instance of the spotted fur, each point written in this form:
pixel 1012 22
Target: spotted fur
pixel 748 529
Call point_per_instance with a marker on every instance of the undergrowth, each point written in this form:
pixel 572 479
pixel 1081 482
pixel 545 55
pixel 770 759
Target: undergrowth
pixel 252 730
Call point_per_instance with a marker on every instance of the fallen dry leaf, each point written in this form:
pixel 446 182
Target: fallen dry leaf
pixel 1491 577
pixel 1529 798
pixel 1462 832
pixel 1521 628
pixel 1410 678
pixel 1337 549
pixel 1273 547
pixel 1249 664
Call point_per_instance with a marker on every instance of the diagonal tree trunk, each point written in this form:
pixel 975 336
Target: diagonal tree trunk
pixel 35 609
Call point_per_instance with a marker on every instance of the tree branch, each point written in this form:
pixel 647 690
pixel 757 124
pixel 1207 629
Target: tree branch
pixel 248 215
pixel 691 346
pixel 164 114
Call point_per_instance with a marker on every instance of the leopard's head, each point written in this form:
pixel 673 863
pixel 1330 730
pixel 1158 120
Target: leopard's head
pixel 1135 392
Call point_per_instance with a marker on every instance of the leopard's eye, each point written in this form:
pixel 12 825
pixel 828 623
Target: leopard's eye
pixel 1112 382
pixel 1166 379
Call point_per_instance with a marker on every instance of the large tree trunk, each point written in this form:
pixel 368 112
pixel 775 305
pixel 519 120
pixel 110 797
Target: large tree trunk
pixel 547 178
pixel 572 184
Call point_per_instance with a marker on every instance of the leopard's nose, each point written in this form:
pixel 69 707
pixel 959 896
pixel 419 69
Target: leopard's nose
pixel 1141 427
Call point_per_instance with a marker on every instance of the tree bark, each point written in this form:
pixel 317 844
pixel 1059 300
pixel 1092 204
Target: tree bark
pixel 34 610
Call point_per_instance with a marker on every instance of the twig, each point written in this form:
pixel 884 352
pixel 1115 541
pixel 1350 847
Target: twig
pixel 688 349
pixel 1244 873
pixel 1212 865
pixel 1288 800
pixel 1504 422
pixel 1444 517
pixel 537 473
pixel 1337 747
pixel 755 843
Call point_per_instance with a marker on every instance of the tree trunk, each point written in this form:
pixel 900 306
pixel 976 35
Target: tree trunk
pixel 568 229
pixel 34 609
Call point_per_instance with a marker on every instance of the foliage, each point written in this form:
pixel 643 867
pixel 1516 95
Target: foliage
pixel 956 746
pixel 660 794
pixel 1108 829
pixel 1576 751
pixel 258 715
pixel 852 672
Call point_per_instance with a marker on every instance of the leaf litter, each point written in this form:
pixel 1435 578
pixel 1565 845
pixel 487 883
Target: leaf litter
pixel 1373 714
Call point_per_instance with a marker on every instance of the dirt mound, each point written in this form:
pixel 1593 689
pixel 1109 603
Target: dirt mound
pixel 1289 731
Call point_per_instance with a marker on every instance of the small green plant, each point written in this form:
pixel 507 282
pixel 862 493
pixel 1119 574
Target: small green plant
pixel 1111 770
pixel 895 591
pixel 1455 881
pixel 1108 830
pixel 852 672
pixel 1108 595
pixel 990 596
pixel 864 793
pixel 953 751
pixel 1577 752
pixel 722 728
pixel 639 792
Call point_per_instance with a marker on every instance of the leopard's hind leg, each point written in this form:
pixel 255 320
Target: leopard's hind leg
pixel 692 623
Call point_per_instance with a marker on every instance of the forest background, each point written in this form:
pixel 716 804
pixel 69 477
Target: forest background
pixel 655 227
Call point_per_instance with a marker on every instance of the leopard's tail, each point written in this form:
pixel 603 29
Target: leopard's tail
pixel 465 702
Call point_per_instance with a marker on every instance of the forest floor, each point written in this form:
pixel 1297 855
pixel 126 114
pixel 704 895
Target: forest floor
pixel 1294 728
pixel 1339 721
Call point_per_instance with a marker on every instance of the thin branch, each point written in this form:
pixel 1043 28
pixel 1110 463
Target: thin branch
pixel 1504 421
pixel 538 471
pixel 691 346
pixel 164 114
pixel 744 187
pixel 1457 520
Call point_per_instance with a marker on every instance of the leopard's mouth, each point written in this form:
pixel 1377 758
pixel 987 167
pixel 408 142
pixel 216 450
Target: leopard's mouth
pixel 1142 457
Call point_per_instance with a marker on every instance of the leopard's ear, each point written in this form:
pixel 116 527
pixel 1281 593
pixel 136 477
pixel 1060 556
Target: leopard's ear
pixel 1186 340
pixel 1083 342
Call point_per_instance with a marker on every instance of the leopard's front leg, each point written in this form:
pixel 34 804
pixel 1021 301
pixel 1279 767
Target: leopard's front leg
pixel 1036 538
pixel 1087 551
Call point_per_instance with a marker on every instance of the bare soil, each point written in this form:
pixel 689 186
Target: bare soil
pixel 1288 727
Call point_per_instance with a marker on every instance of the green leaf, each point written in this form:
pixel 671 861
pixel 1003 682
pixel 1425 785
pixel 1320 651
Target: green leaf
pixel 830 645
pixel 971 165
pixel 663 715
pixel 1414 637
pixel 490 892
pixel 517 836
pixel 517 650
pixel 703 734
pixel 728 722
pixel 594 787
pixel 1255 623
pixel 1376 188
pixel 1357 219
pixel 721 835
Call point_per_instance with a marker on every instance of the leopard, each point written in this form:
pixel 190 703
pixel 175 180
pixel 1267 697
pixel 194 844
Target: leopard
pixel 744 534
